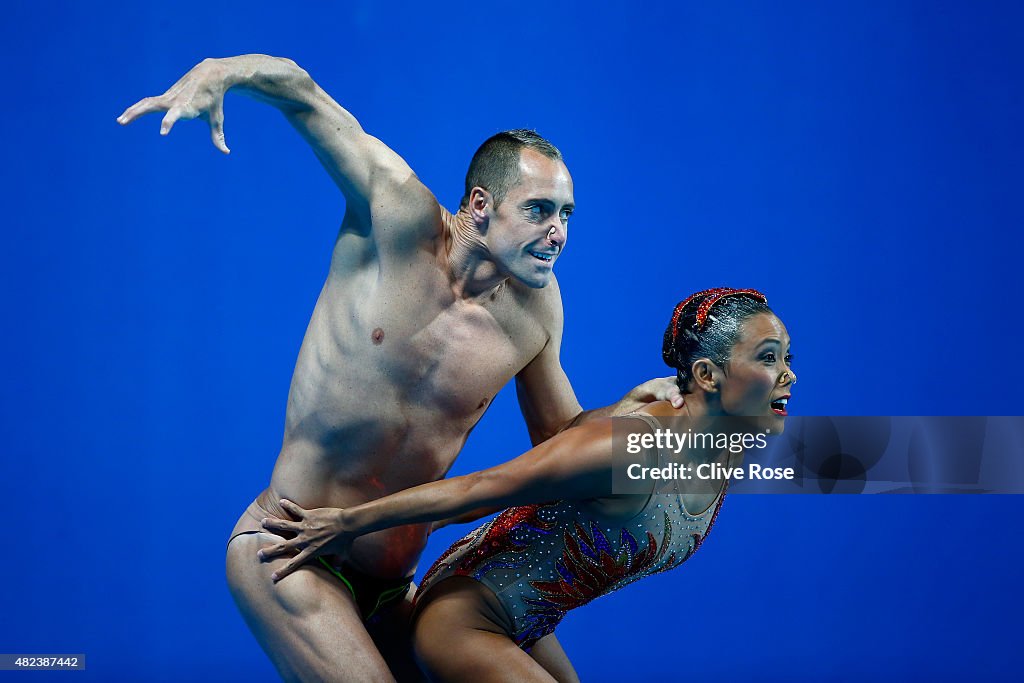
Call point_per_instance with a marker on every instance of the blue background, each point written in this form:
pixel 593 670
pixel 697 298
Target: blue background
pixel 858 162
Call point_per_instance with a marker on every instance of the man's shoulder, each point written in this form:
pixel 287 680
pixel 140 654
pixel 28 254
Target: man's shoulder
pixel 407 215
pixel 543 304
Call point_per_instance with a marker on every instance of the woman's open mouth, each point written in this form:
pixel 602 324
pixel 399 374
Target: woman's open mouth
pixel 779 405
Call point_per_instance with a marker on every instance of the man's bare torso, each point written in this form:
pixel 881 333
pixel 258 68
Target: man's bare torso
pixel 394 371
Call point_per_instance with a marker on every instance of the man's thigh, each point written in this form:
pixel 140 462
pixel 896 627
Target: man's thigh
pixel 392 633
pixel 307 623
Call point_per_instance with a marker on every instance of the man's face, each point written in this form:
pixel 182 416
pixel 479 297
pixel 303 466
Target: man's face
pixel 526 232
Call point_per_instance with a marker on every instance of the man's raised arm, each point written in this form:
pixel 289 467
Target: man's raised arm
pixel 354 159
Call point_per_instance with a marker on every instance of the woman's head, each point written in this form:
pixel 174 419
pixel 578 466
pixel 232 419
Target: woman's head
pixel 727 346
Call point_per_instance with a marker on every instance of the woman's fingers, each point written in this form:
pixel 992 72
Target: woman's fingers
pixel 292 565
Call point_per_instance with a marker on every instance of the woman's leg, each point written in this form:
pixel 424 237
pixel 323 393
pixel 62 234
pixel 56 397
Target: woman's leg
pixel 459 637
pixel 549 654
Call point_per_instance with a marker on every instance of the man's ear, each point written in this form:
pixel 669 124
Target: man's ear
pixel 481 204
pixel 707 375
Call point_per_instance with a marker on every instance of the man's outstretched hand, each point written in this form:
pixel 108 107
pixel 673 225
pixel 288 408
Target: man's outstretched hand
pixel 198 94
pixel 316 532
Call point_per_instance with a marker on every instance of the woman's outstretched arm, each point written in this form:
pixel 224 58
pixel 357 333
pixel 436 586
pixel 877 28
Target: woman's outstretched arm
pixel 574 465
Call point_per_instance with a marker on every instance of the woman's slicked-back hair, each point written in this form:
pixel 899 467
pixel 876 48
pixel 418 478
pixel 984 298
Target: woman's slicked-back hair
pixel 495 166
pixel 707 325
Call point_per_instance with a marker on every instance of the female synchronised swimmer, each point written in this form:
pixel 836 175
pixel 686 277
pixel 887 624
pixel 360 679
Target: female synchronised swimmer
pixel 488 607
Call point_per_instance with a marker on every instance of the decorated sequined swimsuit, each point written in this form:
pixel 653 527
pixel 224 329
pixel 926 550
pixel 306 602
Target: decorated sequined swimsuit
pixel 543 560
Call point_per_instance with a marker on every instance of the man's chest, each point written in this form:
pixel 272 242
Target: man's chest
pixel 462 354
pixel 435 349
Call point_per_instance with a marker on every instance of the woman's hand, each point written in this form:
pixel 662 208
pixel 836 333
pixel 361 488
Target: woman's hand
pixel 316 532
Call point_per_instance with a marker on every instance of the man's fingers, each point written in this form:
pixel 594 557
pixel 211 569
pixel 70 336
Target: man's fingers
pixel 173 114
pixel 218 140
pixel 217 129
pixel 140 108
pixel 673 394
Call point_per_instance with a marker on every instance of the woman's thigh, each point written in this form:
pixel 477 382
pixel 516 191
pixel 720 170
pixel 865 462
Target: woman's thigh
pixel 549 654
pixel 458 638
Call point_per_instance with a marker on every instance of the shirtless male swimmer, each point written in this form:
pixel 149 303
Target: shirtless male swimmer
pixel 424 316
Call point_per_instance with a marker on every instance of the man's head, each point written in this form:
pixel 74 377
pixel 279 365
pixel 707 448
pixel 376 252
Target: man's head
pixel 519 194
pixel 495 166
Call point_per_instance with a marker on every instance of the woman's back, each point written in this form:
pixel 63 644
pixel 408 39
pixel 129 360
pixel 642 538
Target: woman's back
pixel 545 559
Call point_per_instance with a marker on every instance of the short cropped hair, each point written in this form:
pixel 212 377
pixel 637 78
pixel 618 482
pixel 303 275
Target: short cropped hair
pixel 495 166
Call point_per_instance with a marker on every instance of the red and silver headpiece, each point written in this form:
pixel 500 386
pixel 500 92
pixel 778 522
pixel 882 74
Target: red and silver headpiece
pixel 712 297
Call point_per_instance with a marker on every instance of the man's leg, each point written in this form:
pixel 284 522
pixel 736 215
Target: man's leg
pixel 391 631
pixel 307 623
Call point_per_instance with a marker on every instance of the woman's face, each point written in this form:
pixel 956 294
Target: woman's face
pixel 757 377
